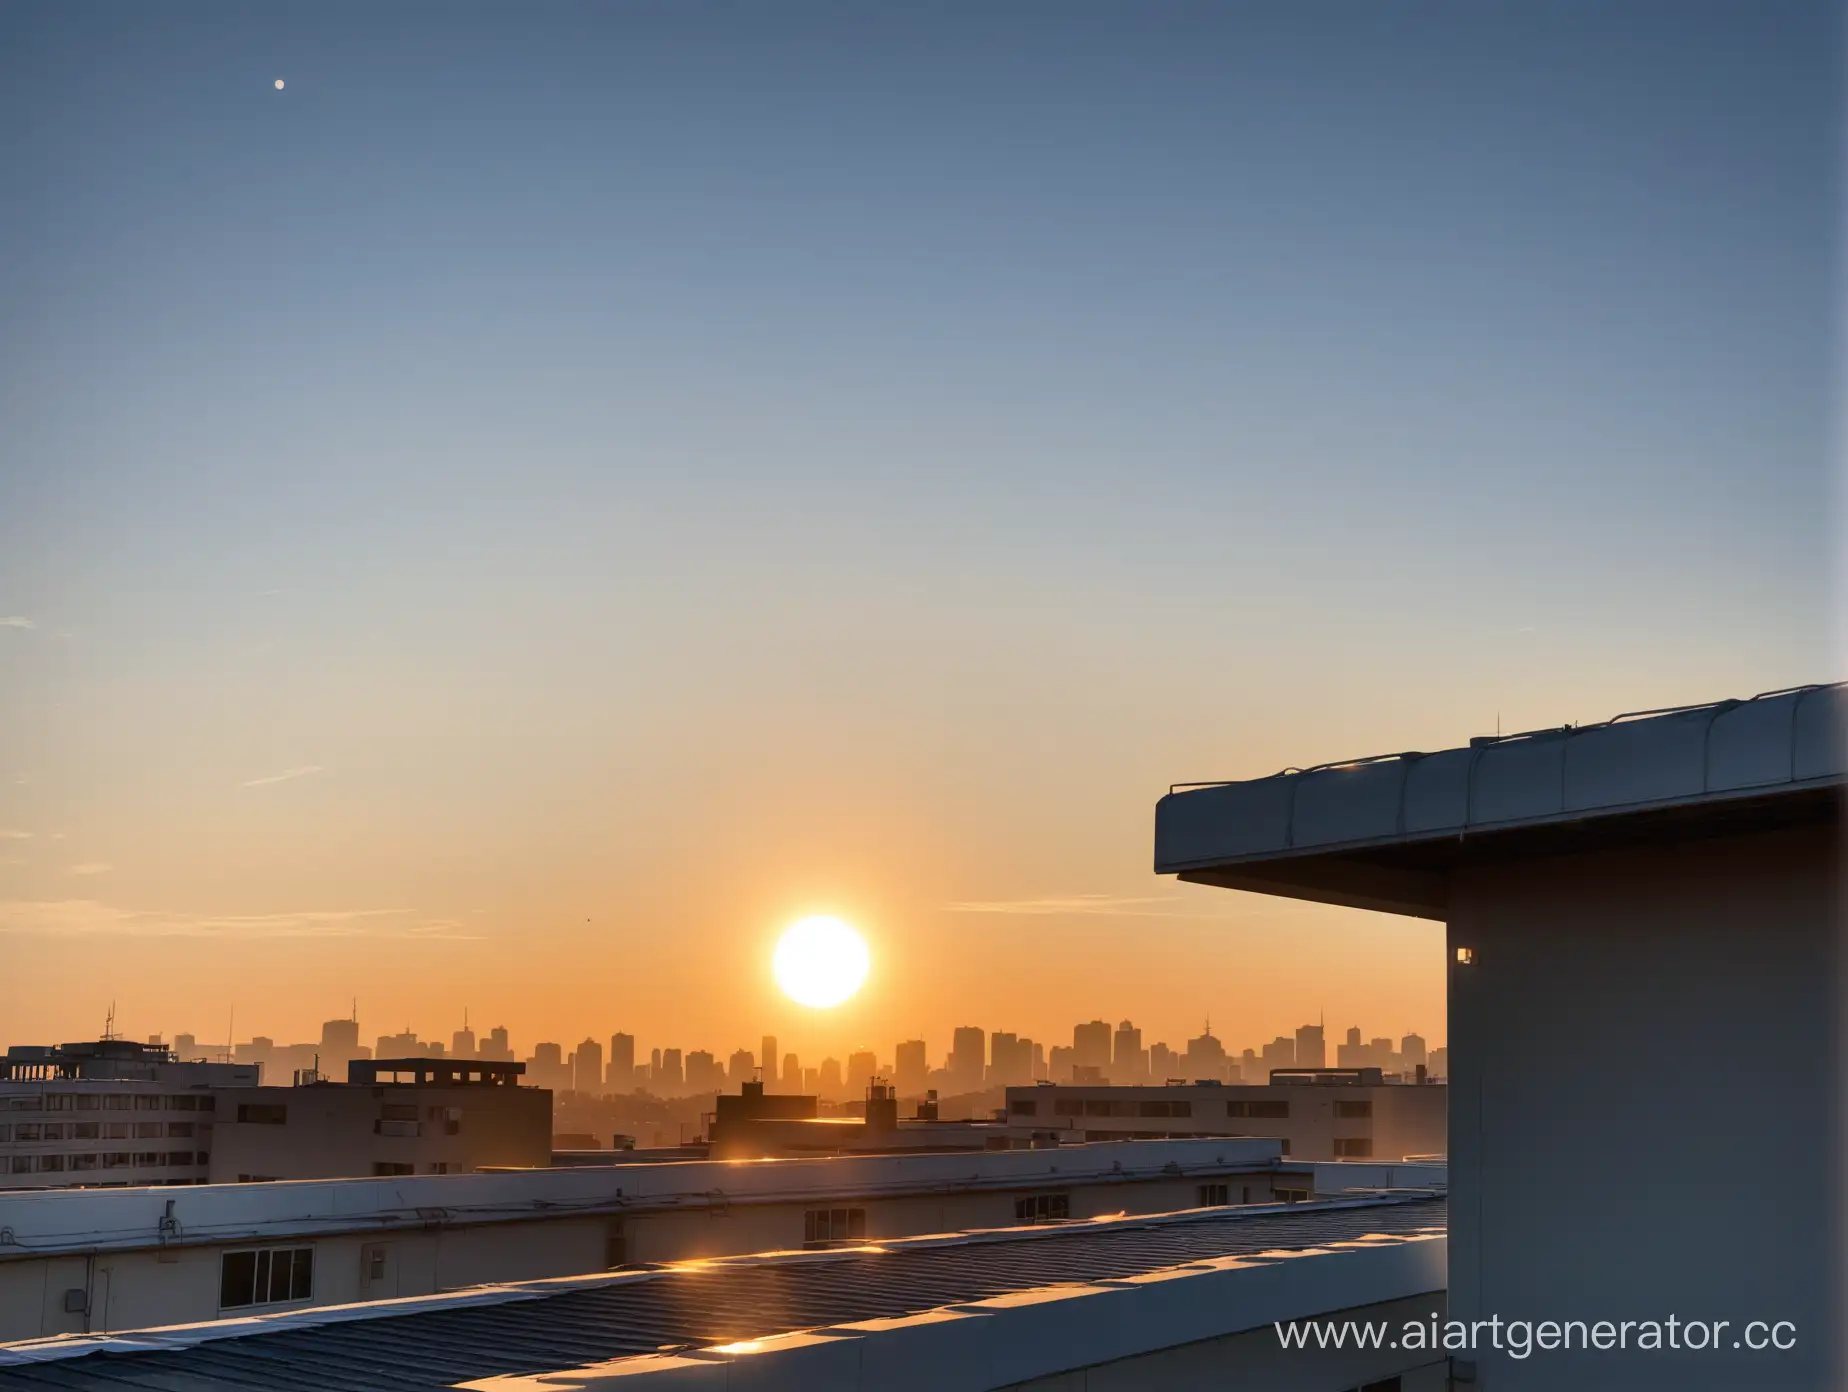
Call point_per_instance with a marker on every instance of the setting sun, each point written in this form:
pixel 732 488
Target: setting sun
pixel 820 962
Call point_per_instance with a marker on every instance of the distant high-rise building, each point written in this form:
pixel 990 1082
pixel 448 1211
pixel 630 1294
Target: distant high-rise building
pixel 587 1068
pixel 462 1042
pixel 703 1072
pixel 337 1036
pixel 768 1056
pixel 1010 1059
pixel 546 1055
pixel 668 1070
pixel 829 1084
pixel 620 1075
pixel 967 1061
pixel 811 1082
pixel 1439 1066
pixel 1060 1060
pixel 406 1045
pixel 1250 1069
pixel 741 1067
pixel 1164 1063
pixel 910 1067
pixel 1311 1050
pixel 1412 1052
pixel 1206 1057
pixel 1039 1062
pixel 1091 1045
pixel 1353 1035
pixel 792 1074
pixel 862 1066
pixel 498 1047
pixel 1128 1063
pixel 186 1046
pixel 1280 1053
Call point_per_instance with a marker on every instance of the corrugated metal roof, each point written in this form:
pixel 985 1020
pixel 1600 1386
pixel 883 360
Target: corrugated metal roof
pixel 1726 751
pixel 698 1306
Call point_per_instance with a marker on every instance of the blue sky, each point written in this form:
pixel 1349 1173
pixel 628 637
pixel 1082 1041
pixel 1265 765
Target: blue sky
pixel 682 466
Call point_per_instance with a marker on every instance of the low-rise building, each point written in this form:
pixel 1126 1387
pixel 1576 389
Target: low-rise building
pixel 392 1117
pixel 1318 1114
pixel 121 1259
pixel 108 1113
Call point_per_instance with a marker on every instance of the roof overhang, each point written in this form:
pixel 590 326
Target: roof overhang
pixel 1385 833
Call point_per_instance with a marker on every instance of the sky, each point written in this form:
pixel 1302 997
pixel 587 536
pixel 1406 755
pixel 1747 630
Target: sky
pixel 553 494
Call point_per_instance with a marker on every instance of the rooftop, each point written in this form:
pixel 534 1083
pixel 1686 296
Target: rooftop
pixel 679 1317
pixel 1379 832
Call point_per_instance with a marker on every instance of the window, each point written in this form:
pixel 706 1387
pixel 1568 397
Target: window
pixel 1043 1208
pixel 180 1130
pixel 115 1159
pixel 115 1130
pixel 54 1130
pixel 1291 1195
pixel 208 1104
pixel 1023 1106
pixel 372 1263
pixel 177 1158
pixel 615 1244
pixel 264 1113
pixel 1354 1109
pixel 183 1104
pixel 1272 1108
pixel 822 1226
pixel 268 1276
pixel 1155 1109
pixel 1215 1195
pixel 29 1131
pixel 22 1164
pixel 118 1102
pixel 1067 1106
pixel 147 1159
pixel 439 1167
pixel 23 1104
pixel 1353 1148
pixel 390 1167
pixel 88 1102
pixel 83 1162
pixel 146 1103
pixel 84 1130
pixel 6 1131
pixel 149 1130
pixel 50 1164
pixel 58 1102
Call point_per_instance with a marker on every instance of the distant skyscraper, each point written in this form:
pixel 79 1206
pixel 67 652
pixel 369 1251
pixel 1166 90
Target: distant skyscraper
pixel 668 1070
pixel 910 1067
pixel 741 1067
pixel 1128 1063
pixel 1206 1057
pixel 587 1065
pixel 967 1061
pixel 829 1084
pixel 1412 1052
pixel 337 1036
pixel 1039 1063
pixel 498 1046
pixel 792 1074
pixel 862 1064
pixel 1279 1053
pixel 620 1076
pixel 1091 1045
pixel 1164 1063
pixel 1060 1061
pixel 1439 1066
pixel 1010 1059
pixel 768 1056
pixel 462 1042
pixel 1311 1049
pixel 703 1072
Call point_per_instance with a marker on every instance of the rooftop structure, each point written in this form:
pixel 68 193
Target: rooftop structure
pixel 957 1310
pixel 116 1060
pixel 434 1072
pixel 1628 891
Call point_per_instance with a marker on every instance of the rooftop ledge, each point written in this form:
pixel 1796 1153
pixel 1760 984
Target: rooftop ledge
pixel 1379 832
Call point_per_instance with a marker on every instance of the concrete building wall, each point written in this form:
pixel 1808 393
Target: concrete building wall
pixel 1637 1014
pixel 1324 1121
pixel 347 1131
pixel 178 1285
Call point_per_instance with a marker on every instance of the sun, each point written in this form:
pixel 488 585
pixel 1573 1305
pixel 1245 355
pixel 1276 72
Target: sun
pixel 820 962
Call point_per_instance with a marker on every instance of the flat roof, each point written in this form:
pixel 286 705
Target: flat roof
pixel 1380 832
pixel 706 1308
pixel 42 1222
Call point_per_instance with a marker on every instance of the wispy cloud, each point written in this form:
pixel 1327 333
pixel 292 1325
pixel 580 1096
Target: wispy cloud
pixel 299 771
pixel 92 867
pixel 7 834
pixel 1115 904
pixel 91 918
pixel 16 621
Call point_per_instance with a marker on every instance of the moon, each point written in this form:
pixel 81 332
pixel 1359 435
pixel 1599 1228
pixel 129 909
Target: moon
pixel 279 84
pixel 820 962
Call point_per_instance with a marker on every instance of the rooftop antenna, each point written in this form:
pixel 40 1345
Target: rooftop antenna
pixel 230 1031
pixel 109 1029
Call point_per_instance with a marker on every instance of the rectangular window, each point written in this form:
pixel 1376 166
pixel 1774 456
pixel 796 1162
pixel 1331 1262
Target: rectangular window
pixel 1215 1195
pixel 118 1102
pixel 822 1227
pixel 149 1130
pixel 1022 1106
pixel 22 1164
pixel 208 1104
pixel 390 1167
pixel 23 1104
pixel 54 1130
pixel 115 1160
pixel 84 1130
pixel 1354 1109
pixel 177 1159
pixel 263 1113
pixel 268 1276
pixel 1043 1208
pixel 58 1102
pixel 83 1162
pixel 6 1132
pixel 50 1164
pixel 1272 1109
pixel 88 1102
pixel 180 1130
pixel 1353 1148
pixel 146 1103
pixel 29 1131
pixel 1291 1195
pixel 148 1159
pixel 115 1130
pixel 1067 1106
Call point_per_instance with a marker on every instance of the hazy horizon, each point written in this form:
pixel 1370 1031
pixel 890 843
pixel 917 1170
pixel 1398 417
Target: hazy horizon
pixel 516 517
